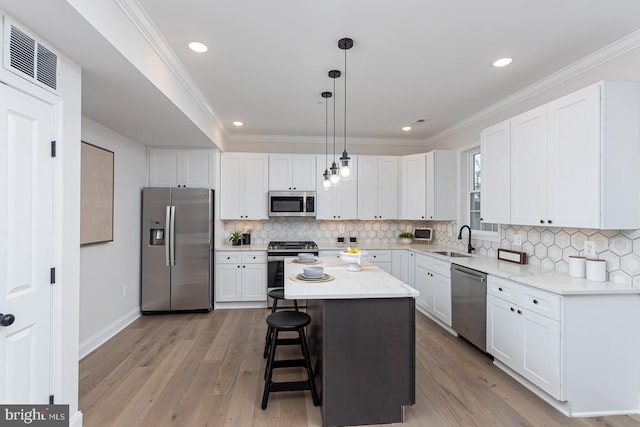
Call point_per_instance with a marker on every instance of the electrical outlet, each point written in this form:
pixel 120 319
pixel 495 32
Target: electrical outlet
pixel 517 240
pixel 341 229
pixel 124 291
pixel 589 248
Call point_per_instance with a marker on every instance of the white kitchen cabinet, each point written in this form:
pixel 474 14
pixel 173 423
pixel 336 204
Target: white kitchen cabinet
pixel 244 186
pixel 341 201
pixel 413 190
pixel 292 172
pixel 241 276
pixel 521 337
pixel 380 258
pixel 433 280
pixel 173 167
pixel 441 182
pixel 377 187
pixel 574 160
pixel 495 148
pixel 403 265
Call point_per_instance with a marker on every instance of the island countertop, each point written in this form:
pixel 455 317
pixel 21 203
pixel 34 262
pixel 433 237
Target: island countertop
pixel 371 282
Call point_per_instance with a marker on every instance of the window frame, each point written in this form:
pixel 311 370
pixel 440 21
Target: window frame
pixel 466 188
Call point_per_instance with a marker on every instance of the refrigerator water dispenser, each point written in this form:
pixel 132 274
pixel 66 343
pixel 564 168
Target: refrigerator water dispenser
pixel 156 231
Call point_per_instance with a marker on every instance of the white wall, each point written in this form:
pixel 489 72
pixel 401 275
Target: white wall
pixel 107 268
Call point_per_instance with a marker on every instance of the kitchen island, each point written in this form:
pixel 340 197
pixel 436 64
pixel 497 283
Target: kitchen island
pixel 362 342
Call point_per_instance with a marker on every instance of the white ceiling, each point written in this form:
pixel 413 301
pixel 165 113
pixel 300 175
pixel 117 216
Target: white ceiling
pixel 268 61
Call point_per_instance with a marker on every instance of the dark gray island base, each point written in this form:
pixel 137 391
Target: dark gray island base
pixel 363 353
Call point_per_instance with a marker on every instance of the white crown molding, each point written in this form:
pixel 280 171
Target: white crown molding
pixel 589 62
pixel 319 140
pixel 140 19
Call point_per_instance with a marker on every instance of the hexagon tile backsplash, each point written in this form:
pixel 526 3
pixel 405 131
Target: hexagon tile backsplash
pixel 546 247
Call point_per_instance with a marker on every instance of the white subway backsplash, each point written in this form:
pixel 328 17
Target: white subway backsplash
pixel 548 247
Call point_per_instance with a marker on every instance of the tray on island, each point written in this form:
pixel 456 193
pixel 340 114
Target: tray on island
pixel 301 278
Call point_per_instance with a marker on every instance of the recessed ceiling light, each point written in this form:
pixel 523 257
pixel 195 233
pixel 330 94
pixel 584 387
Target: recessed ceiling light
pixel 407 128
pixel 238 123
pixel 198 47
pixel 502 62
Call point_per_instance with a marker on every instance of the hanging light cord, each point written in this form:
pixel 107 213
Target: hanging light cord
pixel 345 100
pixel 334 122
pixel 326 133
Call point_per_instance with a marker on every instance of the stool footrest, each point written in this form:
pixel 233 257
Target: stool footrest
pixel 289 363
pixel 290 386
pixel 288 341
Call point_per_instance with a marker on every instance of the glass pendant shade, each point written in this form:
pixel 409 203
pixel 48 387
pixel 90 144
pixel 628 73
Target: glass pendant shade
pixel 326 180
pixel 345 166
pixel 335 177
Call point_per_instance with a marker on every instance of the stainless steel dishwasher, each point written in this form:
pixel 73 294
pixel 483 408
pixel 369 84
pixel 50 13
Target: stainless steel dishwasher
pixel 469 304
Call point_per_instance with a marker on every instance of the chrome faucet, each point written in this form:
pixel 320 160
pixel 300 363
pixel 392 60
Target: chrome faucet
pixel 469 247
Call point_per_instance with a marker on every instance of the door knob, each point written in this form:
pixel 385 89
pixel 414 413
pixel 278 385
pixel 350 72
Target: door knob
pixel 7 319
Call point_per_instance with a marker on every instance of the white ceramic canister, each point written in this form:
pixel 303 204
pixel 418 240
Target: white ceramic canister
pixel 596 270
pixel 577 266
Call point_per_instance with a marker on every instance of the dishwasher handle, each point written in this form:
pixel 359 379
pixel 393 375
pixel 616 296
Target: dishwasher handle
pixel 469 275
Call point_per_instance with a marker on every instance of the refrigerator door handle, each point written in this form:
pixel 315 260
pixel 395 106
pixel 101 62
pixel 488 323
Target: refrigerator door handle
pixel 167 236
pixel 172 233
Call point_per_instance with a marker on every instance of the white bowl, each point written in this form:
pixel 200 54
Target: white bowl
pixel 313 271
pixel 305 257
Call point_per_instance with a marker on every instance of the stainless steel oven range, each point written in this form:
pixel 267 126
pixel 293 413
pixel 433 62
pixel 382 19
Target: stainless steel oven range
pixel 276 253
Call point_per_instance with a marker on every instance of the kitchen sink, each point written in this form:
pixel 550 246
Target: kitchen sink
pixel 452 254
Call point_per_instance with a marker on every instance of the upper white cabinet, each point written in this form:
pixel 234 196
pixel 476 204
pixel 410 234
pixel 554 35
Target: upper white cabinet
pixel 244 181
pixel 173 167
pixel 441 182
pixel 341 201
pixel 377 187
pixel 495 146
pixel 529 167
pixel 295 172
pixel 573 162
pixel 413 187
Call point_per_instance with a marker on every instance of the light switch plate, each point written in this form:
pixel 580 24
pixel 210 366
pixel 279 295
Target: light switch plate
pixel 589 248
pixel 517 240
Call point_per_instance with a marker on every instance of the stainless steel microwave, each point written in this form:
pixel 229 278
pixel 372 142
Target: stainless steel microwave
pixel 292 203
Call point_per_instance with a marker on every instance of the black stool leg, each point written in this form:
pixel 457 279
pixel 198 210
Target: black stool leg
pixel 295 304
pixel 267 342
pixel 267 382
pixel 307 358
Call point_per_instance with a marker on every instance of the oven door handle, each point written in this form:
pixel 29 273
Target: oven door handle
pixel 275 258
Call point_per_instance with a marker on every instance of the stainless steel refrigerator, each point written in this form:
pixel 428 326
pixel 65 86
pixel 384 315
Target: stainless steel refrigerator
pixel 177 249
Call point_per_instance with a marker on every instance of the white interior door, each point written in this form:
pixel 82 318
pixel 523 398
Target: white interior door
pixel 26 249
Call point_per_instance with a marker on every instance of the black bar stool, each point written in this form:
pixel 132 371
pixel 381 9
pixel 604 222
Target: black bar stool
pixel 288 321
pixel 277 294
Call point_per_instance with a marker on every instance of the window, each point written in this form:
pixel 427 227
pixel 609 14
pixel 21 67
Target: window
pixel 472 191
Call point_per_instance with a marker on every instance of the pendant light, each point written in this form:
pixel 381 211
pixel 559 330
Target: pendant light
pixel 335 175
pixel 326 182
pixel 345 166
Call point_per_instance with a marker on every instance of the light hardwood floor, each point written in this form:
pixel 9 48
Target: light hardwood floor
pixel 207 370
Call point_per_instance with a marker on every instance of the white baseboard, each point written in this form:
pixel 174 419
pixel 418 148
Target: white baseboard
pixel 76 420
pixel 107 332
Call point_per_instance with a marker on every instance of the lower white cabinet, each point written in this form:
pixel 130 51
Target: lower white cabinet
pixel 433 281
pixel 381 259
pixel 241 276
pixel 403 265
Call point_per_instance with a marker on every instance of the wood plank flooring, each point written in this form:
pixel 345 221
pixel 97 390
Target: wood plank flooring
pixel 207 370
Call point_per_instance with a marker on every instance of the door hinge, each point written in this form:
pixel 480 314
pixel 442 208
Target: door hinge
pixel 51 400
pixel 53 148
pixel 52 275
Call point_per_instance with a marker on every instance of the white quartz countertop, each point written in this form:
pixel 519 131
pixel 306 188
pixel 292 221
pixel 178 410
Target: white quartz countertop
pixel 549 280
pixel 371 282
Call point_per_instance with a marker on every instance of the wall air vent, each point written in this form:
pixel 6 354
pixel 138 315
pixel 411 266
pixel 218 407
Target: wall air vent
pixel 27 57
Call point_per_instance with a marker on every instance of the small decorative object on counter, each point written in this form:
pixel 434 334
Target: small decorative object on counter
pixel 596 270
pixel 577 266
pixel 354 257
pixel 236 238
pixel 406 237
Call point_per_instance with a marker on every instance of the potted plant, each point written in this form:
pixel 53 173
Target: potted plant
pixel 236 238
pixel 406 237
